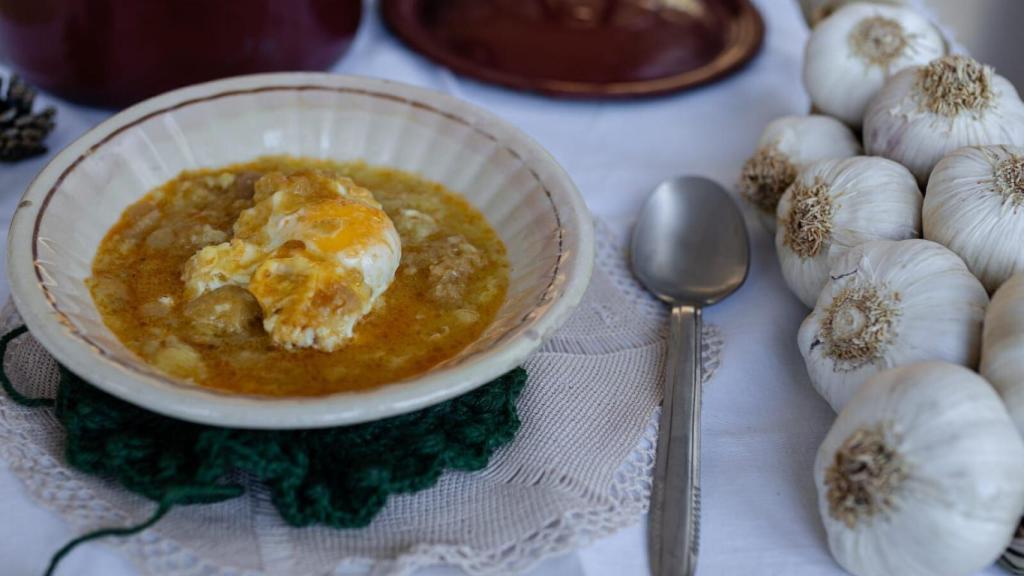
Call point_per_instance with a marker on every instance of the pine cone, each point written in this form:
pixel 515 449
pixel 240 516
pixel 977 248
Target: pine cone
pixel 22 132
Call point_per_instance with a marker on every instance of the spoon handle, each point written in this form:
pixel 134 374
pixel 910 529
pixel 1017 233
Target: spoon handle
pixel 674 519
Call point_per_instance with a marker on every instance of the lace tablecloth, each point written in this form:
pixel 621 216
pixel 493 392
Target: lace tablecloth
pixel 762 420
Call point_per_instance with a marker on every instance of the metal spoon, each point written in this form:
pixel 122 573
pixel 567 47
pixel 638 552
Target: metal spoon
pixel 690 249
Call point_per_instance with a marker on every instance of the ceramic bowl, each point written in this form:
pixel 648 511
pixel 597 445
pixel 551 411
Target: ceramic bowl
pixel 68 208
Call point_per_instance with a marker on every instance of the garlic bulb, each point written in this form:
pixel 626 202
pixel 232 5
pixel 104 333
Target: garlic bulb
pixel 1002 349
pixel 835 205
pixel 853 52
pixel 786 145
pixel 926 112
pixel 889 304
pixel 921 475
pixel 975 206
pixel 817 10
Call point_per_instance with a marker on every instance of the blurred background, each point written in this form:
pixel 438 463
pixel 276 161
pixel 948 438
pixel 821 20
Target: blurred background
pixel 117 41
pixel 989 29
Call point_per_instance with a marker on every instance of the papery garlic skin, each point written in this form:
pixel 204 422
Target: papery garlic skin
pixel 887 304
pixel 926 112
pixel 835 205
pixel 921 475
pixel 817 10
pixel 975 207
pixel 851 54
pixel 788 144
pixel 1002 350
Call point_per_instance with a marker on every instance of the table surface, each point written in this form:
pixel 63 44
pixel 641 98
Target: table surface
pixel 762 420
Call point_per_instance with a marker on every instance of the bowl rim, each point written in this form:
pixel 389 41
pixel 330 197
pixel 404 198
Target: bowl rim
pixel 171 397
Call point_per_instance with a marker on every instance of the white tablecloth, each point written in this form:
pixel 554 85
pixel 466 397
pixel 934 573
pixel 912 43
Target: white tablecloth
pixel 762 420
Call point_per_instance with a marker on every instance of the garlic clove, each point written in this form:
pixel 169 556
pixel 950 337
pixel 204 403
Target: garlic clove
pixel 1002 354
pixel 975 207
pixel 786 145
pixel 920 475
pixel 835 205
pixel 926 112
pixel 887 304
pixel 851 54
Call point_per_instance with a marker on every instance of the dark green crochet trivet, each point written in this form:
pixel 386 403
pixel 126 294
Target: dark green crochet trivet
pixel 339 477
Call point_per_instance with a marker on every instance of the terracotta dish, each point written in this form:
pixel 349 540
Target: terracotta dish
pixel 607 48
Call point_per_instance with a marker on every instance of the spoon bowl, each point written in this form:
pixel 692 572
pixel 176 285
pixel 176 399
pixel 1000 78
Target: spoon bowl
pixel 690 243
pixel 690 249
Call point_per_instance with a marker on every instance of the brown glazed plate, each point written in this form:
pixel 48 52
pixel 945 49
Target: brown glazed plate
pixel 582 48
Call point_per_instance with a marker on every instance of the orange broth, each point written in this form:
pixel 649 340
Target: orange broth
pixel 425 318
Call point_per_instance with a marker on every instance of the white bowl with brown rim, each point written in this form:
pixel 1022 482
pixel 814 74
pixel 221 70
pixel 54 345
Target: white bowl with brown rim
pixel 80 194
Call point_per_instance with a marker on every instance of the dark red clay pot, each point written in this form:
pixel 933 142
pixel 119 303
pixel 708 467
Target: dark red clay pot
pixel 117 52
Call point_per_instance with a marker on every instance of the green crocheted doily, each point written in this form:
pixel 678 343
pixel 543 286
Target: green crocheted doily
pixel 339 477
